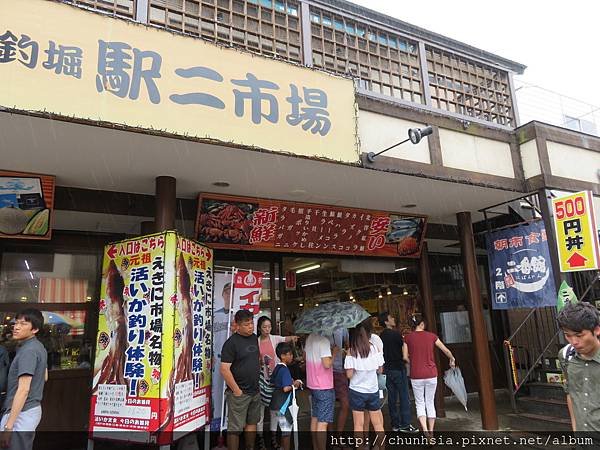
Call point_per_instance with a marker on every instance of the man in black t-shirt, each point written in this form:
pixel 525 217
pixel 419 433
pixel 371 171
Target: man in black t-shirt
pixel 240 365
pixel 395 375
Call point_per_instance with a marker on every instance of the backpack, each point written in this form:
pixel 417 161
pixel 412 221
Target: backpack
pixel 568 353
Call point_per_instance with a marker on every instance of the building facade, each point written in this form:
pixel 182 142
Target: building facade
pixel 271 100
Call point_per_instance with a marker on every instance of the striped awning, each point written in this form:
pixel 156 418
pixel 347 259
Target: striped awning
pixel 65 290
pixel 62 290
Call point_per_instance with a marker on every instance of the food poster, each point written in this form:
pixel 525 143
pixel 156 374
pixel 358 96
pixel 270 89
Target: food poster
pixel 191 378
pixel 272 225
pixel 26 202
pixel 142 359
pixel 246 294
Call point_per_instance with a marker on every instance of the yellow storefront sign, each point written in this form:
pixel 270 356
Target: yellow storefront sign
pixel 576 232
pixel 60 59
pixel 152 370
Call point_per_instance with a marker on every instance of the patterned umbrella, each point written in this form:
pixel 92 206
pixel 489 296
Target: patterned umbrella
pixel 329 317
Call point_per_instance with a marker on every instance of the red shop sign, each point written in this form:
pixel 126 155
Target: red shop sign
pixel 273 225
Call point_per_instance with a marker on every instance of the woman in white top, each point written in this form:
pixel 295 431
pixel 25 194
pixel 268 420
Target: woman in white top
pixel 363 362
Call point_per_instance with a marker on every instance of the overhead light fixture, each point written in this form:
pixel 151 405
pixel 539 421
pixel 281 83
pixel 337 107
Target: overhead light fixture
pixel 23 299
pixel 400 269
pixel 300 304
pixel 221 184
pixel 308 268
pixel 316 304
pixel 405 292
pixel 414 135
pixel 310 284
pixel 7 317
pixel 278 309
pixel 27 265
pixel 353 300
pixel 380 295
pixel 88 298
pixel 351 296
pixel 389 291
pixel 31 275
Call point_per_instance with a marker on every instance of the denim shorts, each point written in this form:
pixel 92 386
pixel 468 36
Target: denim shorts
pixel 323 403
pixel 364 402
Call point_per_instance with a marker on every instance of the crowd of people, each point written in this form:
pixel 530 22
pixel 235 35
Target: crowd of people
pixel 353 366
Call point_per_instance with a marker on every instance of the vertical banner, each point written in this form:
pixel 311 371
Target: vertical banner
pixel 520 267
pixel 151 371
pixel 576 232
pixel 245 294
pixel 192 337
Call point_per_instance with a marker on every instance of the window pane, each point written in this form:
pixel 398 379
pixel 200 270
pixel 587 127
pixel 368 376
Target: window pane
pixel 47 277
pixel 62 336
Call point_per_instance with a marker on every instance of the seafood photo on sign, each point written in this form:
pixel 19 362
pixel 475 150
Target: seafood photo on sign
pixel 226 222
pixel 406 232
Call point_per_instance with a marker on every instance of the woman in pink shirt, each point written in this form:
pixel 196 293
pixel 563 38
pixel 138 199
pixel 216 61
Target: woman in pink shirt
pixel 267 343
pixel 418 351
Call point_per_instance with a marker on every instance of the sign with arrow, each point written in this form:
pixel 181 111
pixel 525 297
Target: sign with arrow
pixel 576 235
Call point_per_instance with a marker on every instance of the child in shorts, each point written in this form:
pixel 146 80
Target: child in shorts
pixel 282 395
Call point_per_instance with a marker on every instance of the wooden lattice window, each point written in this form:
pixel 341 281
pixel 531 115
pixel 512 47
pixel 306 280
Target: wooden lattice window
pixel 270 27
pixel 384 62
pixel 470 88
pixel 123 8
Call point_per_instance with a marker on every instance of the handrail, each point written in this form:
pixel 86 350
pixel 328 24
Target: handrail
pixel 521 325
pixel 541 355
pixel 529 355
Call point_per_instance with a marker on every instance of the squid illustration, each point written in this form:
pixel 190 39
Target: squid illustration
pixel 183 367
pixel 112 370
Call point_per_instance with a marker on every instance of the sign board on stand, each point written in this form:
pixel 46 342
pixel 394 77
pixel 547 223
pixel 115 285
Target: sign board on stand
pixel 152 367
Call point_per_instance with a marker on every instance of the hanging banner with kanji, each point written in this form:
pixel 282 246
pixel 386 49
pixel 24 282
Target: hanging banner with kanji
pixel 520 267
pixel 576 235
pixel 153 352
pixel 112 70
pixel 26 204
pixel 273 225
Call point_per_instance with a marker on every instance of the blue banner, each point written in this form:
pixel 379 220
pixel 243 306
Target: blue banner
pixel 520 267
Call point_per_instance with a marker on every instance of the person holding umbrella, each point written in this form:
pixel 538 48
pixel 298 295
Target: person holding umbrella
pixel 319 321
pixel 418 350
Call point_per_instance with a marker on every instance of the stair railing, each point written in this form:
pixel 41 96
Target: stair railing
pixel 525 349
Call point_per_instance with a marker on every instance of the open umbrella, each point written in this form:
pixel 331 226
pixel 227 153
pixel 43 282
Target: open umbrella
pixel 294 409
pixel 329 317
pixel 454 380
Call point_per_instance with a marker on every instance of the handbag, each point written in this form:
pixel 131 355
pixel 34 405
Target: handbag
pixel 266 388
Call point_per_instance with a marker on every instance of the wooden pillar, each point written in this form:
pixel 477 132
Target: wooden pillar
pixel 147 227
pixel 166 203
pixel 481 351
pixel 429 311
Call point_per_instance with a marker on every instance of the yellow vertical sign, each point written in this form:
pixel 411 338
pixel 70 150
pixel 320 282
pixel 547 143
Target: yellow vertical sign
pixel 152 365
pixel 576 232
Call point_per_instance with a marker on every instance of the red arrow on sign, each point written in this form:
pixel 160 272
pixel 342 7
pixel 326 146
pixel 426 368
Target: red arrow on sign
pixel 576 260
pixel 112 251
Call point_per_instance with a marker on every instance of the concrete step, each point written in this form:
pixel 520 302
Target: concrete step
pixel 544 406
pixel 546 390
pixel 538 422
